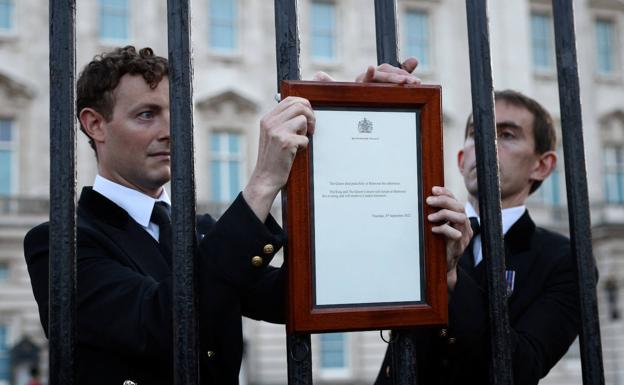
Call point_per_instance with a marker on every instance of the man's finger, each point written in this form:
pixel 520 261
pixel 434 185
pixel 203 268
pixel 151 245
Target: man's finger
pixel 448 216
pixel 301 142
pixel 367 76
pixel 386 73
pixel 397 78
pixel 440 190
pixel 297 113
pixel 288 102
pixel 448 231
pixel 321 76
pixel 296 143
pixel 387 68
pixel 410 64
pixel 296 110
pixel 444 202
pixel 296 125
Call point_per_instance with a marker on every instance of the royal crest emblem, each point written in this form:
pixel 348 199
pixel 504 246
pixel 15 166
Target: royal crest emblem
pixel 365 126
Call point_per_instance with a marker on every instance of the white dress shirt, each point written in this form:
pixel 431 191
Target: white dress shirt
pixel 510 216
pixel 138 205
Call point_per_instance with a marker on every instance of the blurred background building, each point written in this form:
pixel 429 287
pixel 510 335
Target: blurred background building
pixel 235 83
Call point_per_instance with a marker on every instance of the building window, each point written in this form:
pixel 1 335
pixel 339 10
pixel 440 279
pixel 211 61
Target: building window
pixel 614 174
pixel 605 46
pixel 6 15
pixel 323 28
pixel 5 367
pixel 222 24
pixel 417 37
pixel 333 351
pixel 542 39
pixel 226 165
pixel 7 156
pixel 114 19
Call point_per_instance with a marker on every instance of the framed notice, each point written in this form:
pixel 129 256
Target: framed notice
pixel 361 254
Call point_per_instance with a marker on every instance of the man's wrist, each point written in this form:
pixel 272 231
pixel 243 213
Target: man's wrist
pixel 259 197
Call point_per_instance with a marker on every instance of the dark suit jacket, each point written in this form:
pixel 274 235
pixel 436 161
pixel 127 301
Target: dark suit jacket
pixel 124 301
pixel 543 314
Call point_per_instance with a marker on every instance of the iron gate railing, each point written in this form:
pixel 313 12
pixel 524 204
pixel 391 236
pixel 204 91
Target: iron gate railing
pixel 63 184
pixel 62 282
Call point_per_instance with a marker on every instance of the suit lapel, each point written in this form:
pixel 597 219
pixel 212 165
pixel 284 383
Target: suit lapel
pixel 467 263
pixel 519 256
pixel 140 249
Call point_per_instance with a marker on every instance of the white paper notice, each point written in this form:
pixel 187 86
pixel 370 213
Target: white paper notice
pixel 366 221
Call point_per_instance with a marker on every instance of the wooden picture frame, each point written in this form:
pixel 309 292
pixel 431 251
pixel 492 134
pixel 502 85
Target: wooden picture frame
pixel 378 294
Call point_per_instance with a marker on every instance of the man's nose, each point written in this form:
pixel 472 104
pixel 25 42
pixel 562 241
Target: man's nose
pixel 165 129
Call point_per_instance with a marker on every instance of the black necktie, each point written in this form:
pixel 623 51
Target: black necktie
pixel 474 224
pixel 161 216
pixel 476 230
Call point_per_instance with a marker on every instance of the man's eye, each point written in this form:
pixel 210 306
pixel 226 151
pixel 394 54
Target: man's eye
pixel 146 115
pixel 506 135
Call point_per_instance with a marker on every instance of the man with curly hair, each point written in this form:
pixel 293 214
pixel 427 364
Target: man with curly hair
pixel 123 256
pixel 124 330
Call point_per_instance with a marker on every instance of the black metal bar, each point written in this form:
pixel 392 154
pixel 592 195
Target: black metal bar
pixel 62 270
pixel 386 31
pixel 489 191
pixel 576 184
pixel 298 346
pixel 299 351
pixel 403 359
pixel 185 324
pixel 286 41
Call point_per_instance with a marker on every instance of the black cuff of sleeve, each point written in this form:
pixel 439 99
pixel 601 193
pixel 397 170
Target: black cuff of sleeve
pixel 241 245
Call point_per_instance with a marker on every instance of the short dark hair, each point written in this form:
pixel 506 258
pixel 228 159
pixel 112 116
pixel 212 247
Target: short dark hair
pixel 101 76
pixel 544 134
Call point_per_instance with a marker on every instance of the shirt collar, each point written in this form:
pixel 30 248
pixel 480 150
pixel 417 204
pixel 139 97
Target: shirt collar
pixel 138 205
pixel 510 215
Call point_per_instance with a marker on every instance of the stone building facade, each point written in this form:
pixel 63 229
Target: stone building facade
pixel 234 61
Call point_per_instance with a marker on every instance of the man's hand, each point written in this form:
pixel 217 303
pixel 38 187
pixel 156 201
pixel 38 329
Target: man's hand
pixel 387 73
pixel 384 73
pixel 282 133
pixel 453 223
pixel 321 76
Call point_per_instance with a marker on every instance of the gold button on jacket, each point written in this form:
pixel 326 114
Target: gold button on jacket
pixel 257 261
pixel 210 353
pixel 268 249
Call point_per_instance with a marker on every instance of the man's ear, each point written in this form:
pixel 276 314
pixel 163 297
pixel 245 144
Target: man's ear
pixel 93 122
pixel 460 161
pixel 544 166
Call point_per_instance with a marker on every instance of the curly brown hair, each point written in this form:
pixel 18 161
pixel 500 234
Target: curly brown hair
pixel 101 76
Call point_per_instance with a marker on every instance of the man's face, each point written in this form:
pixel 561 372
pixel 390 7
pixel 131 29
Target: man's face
pixel 518 163
pixel 135 151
